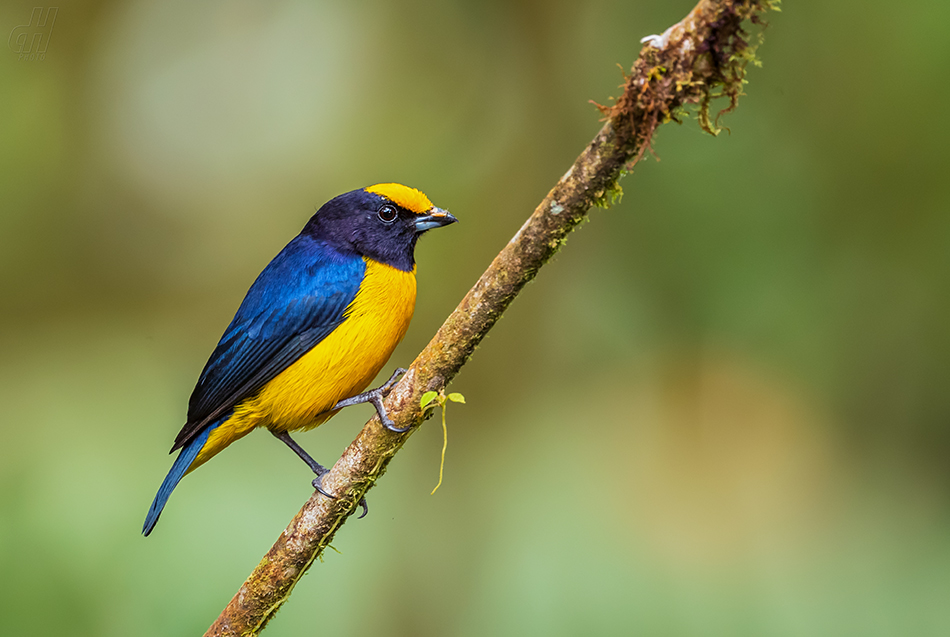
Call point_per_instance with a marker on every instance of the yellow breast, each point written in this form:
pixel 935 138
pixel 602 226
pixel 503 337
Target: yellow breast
pixel 340 366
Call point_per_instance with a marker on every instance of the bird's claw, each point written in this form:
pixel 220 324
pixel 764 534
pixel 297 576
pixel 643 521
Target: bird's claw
pixel 384 418
pixel 389 384
pixel 391 426
pixel 375 397
pixel 384 391
pixel 318 485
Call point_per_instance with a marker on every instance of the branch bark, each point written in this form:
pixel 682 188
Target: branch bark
pixel 700 58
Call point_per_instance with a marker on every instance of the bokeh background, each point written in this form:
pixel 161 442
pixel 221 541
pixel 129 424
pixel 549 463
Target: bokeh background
pixel 722 409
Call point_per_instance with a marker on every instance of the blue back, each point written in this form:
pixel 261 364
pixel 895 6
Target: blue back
pixel 297 300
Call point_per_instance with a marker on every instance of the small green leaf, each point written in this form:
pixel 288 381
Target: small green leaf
pixel 427 398
pixel 456 397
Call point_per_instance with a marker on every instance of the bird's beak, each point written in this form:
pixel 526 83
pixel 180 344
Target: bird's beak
pixel 434 218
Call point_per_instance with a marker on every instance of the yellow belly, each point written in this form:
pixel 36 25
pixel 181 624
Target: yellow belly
pixel 340 366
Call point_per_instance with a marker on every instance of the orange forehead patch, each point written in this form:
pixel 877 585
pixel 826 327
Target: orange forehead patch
pixel 409 198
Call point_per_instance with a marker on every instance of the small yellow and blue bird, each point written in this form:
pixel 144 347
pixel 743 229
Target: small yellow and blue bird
pixel 315 328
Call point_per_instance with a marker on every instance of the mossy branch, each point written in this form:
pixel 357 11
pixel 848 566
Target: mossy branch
pixel 695 61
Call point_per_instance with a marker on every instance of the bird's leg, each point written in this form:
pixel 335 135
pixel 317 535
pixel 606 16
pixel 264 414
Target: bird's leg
pixel 315 466
pixel 375 396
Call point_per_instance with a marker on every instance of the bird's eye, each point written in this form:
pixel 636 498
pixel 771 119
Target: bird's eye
pixel 387 213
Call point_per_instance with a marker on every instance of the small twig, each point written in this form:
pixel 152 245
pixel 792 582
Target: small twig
pixel 705 52
pixel 430 399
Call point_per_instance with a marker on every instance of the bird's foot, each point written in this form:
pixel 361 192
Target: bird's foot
pixel 375 397
pixel 316 467
pixel 318 485
pixel 389 384
pixel 384 418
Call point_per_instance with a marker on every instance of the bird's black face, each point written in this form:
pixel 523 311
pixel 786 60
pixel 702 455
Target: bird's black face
pixel 381 222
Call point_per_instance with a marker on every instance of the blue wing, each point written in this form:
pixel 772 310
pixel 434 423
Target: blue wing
pixel 298 299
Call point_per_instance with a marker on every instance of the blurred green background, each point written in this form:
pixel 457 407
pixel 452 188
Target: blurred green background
pixel 744 364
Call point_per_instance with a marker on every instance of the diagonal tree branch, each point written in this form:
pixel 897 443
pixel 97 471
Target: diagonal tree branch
pixel 700 58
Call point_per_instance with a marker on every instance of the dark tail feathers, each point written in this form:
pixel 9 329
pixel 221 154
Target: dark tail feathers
pixel 187 455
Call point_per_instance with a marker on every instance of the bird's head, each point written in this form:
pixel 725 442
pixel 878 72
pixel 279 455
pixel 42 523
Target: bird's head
pixel 381 222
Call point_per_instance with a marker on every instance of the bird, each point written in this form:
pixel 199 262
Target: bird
pixel 314 329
